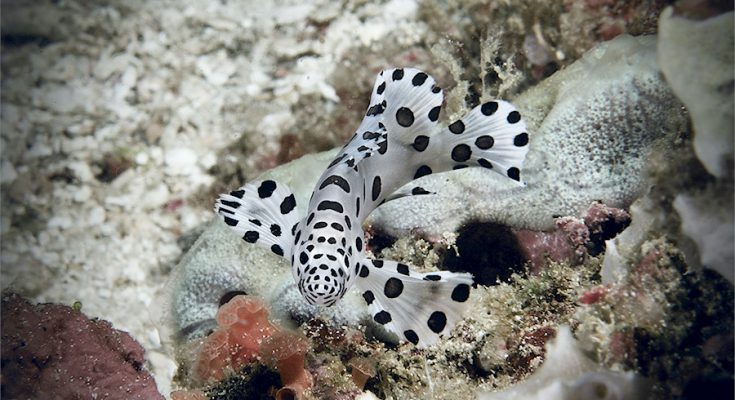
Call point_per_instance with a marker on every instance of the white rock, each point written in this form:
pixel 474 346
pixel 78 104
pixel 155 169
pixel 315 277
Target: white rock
pixel 82 194
pixel 156 154
pixel 127 81
pixel 208 160
pixel 60 98
pixel 157 197
pixel 273 124
pixel 107 132
pixel 96 216
pixel 400 9
pixel 291 14
pixel 39 149
pixel 85 127
pixel 108 229
pixel 697 59
pixel 7 172
pixel 216 68
pixel 59 221
pixel 180 159
pixel 366 395
pixel 709 223
pixel 154 339
pixel 163 369
pixel 82 171
pixel 141 158
pixel 646 217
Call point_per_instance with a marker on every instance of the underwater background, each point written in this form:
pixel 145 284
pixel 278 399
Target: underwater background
pixel 608 276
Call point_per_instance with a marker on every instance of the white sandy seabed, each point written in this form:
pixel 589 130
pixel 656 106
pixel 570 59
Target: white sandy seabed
pixel 167 86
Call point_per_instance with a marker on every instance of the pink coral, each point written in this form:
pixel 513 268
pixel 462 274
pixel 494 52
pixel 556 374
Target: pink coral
pixel 362 369
pixel 244 335
pixel 243 324
pixel 287 351
pixel 594 295
pixel 573 238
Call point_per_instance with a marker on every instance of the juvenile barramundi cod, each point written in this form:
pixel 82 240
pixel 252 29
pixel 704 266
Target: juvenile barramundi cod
pixel 398 141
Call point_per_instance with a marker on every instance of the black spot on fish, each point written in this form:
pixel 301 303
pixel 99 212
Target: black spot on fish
pixel 489 108
pixel 420 143
pixel 437 321
pixel 461 292
pixel 266 189
pixel 393 288
pixel 411 336
pixel 382 317
pixel 419 79
pixel 330 205
pixel 288 204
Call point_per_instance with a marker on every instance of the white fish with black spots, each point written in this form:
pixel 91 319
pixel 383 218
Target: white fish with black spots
pixel 398 141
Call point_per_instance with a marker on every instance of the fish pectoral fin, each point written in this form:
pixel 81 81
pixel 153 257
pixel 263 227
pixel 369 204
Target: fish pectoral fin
pixel 263 213
pixel 406 191
pixel 418 307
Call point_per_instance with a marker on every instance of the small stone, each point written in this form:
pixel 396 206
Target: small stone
pixel 62 222
pixel 82 194
pixel 141 158
pixel 180 159
pixel 81 170
pixel 208 160
pixel 157 197
pixel 85 127
pixel 96 216
pixel 7 172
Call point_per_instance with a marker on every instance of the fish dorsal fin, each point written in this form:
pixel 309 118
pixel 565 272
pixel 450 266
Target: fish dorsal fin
pixel 262 213
pixel 362 145
pixel 407 102
pixel 418 307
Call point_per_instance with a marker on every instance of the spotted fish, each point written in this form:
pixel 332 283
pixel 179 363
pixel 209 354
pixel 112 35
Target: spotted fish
pixel 398 141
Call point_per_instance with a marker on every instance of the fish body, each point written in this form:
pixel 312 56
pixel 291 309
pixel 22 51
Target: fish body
pixel 399 140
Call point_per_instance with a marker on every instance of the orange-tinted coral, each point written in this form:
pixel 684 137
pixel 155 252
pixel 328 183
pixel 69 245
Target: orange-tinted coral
pixel 362 369
pixel 243 335
pixel 287 351
pixel 243 324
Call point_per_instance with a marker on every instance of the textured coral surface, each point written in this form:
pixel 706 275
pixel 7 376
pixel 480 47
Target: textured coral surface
pixel 52 351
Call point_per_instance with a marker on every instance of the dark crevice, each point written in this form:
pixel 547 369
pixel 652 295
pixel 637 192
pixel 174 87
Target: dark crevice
pixel 487 250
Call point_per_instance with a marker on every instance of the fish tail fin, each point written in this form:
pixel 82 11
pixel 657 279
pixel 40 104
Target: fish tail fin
pixel 262 213
pixel 418 307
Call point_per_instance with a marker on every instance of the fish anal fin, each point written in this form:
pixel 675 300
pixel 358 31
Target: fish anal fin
pixel 418 307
